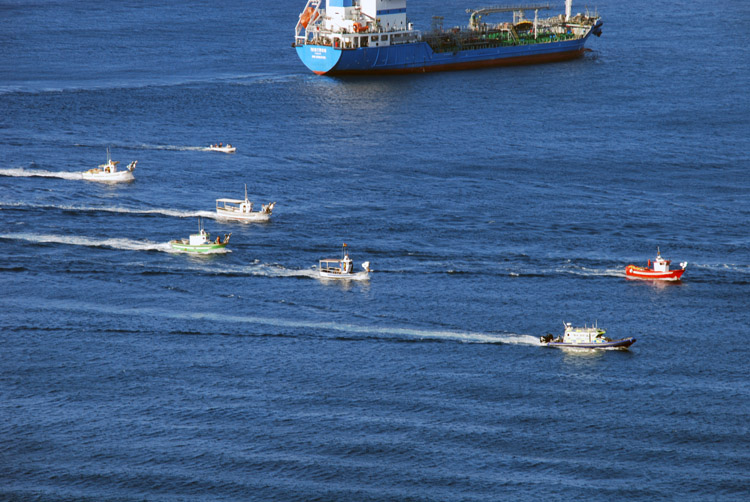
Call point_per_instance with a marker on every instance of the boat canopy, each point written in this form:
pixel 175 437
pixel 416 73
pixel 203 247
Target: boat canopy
pixel 231 201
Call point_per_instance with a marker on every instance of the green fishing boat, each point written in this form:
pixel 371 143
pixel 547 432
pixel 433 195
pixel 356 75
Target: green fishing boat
pixel 201 242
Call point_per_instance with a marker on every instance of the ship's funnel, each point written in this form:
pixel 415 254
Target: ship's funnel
pixel 568 9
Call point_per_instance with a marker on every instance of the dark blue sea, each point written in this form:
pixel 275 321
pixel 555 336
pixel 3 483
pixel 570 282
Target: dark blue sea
pixel 493 205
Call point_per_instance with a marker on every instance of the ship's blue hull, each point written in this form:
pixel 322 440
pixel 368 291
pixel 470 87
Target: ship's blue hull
pixel 419 57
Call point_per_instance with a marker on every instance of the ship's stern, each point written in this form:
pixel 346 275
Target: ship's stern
pixel 319 58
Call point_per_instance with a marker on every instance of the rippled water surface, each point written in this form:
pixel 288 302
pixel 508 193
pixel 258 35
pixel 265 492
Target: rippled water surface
pixel 493 205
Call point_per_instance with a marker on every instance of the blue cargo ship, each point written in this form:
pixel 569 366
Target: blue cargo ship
pixel 339 37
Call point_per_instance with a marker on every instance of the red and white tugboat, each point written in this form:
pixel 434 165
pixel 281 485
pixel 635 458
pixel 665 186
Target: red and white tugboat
pixel 656 270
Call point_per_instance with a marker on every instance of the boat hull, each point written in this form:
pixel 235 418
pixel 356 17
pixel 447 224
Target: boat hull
pixel 221 149
pixel 418 57
pixel 200 248
pixel 102 177
pixel 358 276
pixel 623 343
pixel 633 272
pixel 244 217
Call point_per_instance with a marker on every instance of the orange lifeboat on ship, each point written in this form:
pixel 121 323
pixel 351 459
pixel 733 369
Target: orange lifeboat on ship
pixel 304 18
pixel 360 28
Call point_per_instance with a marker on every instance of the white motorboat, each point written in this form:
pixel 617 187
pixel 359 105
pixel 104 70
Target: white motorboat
pixel 109 173
pixel 222 148
pixel 342 268
pixel 585 338
pixel 242 210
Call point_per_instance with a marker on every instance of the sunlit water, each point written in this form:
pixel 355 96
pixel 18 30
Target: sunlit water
pixel 493 205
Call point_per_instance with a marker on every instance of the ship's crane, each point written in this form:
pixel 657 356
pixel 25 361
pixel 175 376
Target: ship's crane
pixel 476 14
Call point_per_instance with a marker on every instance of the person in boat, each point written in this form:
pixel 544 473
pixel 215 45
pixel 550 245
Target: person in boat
pixel 218 240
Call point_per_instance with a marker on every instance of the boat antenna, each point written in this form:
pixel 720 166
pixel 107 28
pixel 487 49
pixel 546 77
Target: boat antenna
pixel 245 192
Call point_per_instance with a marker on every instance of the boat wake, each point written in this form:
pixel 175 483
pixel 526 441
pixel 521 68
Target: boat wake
pixel 594 272
pixel 258 269
pixel 174 148
pixel 28 173
pixel 336 328
pixel 126 244
pixel 166 212
pixel 146 146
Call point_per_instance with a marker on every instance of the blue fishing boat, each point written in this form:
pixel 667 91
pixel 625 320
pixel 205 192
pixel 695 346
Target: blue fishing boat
pixel 340 37
pixel 585 338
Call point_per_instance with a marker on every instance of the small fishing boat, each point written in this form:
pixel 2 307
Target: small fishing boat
pixel 109 173
pixel 200 242
pixel 585 338
pixel 657 270
pixel 242 210
pixel 342 268
pixel 222 148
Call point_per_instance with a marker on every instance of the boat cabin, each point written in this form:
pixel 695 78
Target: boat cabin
pixel 352 24
pixel 660 264
pixel 201 237
pixel 234 205
pixel 336 265
pixel 583 335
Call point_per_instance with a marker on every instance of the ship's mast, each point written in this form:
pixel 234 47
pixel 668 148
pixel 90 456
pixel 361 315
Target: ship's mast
pixel 568 9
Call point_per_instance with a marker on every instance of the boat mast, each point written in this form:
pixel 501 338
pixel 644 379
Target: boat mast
pixel 568 9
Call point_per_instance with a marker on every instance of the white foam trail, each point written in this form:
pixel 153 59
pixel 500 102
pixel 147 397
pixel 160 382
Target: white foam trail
pixel 593 272
pixel 28 173
pixel 167 212
pixel 275 270
pixel 520 339
pixel 348 328
pixel 266 270
pixel 115 243
pixel 146 146
pixel 176 148
pixel 721 267
pixel 278 271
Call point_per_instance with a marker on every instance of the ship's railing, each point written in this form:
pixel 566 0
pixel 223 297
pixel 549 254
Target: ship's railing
pixel 345 40
pixel 452 42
